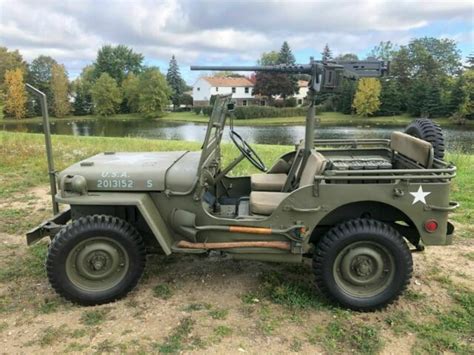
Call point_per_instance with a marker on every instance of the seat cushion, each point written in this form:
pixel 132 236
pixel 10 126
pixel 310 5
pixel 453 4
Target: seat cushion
pixel 267 182
pixel 263 202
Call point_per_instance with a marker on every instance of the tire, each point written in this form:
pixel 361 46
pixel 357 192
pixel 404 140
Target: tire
pixel 362 264
pixel 426 129
pixel 95 259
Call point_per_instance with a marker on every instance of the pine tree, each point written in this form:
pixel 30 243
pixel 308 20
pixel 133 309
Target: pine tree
pixel 390 98
pixel 175 82
pixel 326 54
pixel 287 84
pixel 285 56
pixel 367 97
pixel 106 95
pixel 60 91
pixel 15 100
pixel 346 97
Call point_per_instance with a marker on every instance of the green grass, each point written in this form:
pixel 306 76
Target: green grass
pixel 178 339
pixel 342 333
pixel 94 317
pixel 162 291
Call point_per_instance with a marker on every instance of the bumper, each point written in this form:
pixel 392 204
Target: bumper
pixel 49 227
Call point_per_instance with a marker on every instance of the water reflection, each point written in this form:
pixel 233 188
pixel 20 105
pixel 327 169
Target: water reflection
pixel 455 138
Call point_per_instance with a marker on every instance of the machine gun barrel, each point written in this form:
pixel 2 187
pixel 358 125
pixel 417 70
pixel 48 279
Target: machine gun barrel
pixel 289 69
pixel 352 69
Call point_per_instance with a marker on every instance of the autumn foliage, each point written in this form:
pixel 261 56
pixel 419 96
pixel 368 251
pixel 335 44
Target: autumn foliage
pixel 15 98
pixel 60 91
pixel 367 96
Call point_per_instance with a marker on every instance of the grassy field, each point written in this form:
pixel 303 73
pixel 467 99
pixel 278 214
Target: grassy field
pixel 325 119
pixel 215 305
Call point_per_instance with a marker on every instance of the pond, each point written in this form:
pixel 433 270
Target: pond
pixel 456 138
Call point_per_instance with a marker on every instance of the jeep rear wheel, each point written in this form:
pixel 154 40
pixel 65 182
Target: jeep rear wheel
pixel 362 264
pixel 95 259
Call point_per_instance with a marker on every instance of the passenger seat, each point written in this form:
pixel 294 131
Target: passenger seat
pixel 265 202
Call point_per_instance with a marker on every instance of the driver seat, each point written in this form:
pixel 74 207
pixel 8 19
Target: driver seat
pixel 265 202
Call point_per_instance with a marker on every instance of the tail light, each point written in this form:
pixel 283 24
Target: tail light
pixel 431 225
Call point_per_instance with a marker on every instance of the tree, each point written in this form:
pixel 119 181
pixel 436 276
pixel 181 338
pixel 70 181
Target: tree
pixel 383 51
pixel 106 95
pixel 130 92
pixel 285 56
pixel 39 76
pixel 270 84
pixel 175 82
pixel 346 96
pixel 60 91
pixel 390 98
pixel 15 100
pixel 347 57
pixel 154 93
pixel 367 96
pixel 326 54
pixel 434 56
pixel 81 88
pixel 268 58
pixel 10 60
pixel 465 108
pixel 118 62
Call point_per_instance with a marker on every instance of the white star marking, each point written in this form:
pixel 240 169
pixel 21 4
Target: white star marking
pixel 419 195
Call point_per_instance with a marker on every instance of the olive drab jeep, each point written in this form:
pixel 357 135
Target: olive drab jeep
pixel 357 207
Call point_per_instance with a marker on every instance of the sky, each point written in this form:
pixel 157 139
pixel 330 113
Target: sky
pixel 224 32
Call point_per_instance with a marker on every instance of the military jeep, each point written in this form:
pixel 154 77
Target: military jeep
pixel 354 206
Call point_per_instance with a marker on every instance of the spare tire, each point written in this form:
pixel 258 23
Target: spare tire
pixel 426 129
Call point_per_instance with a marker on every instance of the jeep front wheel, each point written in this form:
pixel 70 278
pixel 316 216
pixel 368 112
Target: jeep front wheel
pixel 362 264
pixel 95 259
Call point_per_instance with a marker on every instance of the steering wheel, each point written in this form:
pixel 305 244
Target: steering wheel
pixel 247 151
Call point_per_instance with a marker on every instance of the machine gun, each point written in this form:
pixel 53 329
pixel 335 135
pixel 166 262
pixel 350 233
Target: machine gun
pixel 326 76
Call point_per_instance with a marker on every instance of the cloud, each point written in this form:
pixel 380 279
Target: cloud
pixel 219 31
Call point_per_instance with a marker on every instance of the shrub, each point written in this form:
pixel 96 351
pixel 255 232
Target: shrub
pixel 249 112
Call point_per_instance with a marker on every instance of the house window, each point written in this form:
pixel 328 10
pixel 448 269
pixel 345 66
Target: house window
pixel 263 103
pixel 300 101
pixel 217 89
pixel 198 89
pixel 244 102
pixel 233 90
pixel 246 90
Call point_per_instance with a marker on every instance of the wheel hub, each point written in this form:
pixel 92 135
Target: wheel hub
pixel 363 268
pixel 97 263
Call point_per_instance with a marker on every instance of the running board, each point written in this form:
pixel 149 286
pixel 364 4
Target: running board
pixel 183 244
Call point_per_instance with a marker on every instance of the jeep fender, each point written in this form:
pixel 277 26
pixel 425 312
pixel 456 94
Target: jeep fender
pixel 142 201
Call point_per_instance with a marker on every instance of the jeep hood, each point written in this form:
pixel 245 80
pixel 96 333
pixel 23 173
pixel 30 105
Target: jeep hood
pixel 140 171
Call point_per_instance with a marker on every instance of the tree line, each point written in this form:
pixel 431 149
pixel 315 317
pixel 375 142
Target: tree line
pixel 426 79
pixel 116 82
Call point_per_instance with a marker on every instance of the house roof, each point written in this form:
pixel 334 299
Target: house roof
pixel 302 83
pixel 228 82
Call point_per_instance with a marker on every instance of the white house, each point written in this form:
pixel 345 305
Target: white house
pixel 302 92
pixel 205 87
